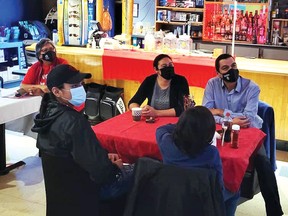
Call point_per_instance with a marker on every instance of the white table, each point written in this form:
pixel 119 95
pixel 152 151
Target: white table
pixel 12 108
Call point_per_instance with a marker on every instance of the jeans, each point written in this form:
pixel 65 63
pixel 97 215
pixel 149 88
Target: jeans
pixel 268 184
pixel 120 186
pixel 230 200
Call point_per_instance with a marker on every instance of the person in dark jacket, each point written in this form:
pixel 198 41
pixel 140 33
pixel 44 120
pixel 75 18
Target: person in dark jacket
pixel 187 144
pixel 164 90
pixel 64 132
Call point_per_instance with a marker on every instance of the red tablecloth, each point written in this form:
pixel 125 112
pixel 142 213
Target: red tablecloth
pixel 132 140
pixel 137 65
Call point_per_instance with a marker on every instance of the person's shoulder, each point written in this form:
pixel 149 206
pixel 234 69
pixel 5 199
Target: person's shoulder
pixel 247 83
pixel 212 150
pixel 214 79
pixel 73 116
pixel 214 82
pixel 35 65
pixel 150 78
pixel 178 77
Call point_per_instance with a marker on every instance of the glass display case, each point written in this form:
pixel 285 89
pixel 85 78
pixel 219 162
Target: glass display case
pixel 251 21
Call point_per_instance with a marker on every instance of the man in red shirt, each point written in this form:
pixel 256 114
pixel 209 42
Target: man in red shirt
pixel 34 81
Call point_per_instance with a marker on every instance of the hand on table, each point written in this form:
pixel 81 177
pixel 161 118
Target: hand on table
pixel 115 159
pixel 149 111
pixel 242 121
pixel 39 90
pixel 35 91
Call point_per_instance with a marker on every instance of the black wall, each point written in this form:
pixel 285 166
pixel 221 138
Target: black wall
pixel 12 11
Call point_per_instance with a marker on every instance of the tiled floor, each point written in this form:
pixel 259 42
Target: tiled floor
pixel 22 191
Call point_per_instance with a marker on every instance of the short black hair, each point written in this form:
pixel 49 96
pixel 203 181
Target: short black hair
pixel 221 57
pixel 194 130
pixel 159 58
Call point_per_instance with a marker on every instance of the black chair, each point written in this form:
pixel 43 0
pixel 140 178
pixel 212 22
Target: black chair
pixel 2 82
pixel 69 189
pixel 161 190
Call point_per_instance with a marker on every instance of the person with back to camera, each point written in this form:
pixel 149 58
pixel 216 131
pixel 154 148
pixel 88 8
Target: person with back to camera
pixel 34 81
pixel 65 132
pixel 229 92
pixel 164 90
pixel 187 144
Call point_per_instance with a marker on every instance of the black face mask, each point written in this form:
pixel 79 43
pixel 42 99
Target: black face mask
pixel 231 76
pixel 49 56
pixel 167 73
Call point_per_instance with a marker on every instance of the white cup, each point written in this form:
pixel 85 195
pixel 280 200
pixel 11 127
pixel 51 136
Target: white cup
pixel 136 113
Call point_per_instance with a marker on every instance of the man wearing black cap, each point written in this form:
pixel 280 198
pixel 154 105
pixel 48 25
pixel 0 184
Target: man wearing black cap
pixel 64 132
pixel 34 81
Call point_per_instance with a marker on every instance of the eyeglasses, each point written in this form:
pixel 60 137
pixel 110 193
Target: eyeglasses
pixel 47 49
pixel 75 12
pixel 74 25
pixel 73 35
pixel 74 16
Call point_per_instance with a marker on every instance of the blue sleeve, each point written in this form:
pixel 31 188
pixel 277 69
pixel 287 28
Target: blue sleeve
pixel 209 100
pixel 164 130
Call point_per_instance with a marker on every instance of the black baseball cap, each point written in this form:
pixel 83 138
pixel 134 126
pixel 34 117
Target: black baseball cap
pixel 65 73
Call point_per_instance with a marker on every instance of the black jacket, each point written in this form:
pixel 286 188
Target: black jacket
pixel 179 87
pixel 63 132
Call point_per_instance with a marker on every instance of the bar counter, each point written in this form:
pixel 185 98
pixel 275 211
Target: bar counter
pixel 270 75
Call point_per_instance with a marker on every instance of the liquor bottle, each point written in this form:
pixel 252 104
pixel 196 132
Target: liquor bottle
pixel 244 26
pixel 227 28
pixel 222 30
pixel 226 126
pixel 255 27
pixel 237 29
pixel 277 10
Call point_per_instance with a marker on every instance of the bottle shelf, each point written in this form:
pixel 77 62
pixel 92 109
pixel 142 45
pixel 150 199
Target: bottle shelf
pixel 199 10
pixel 179 23
pixel 232 2
pixel 168 18
pixel 279 19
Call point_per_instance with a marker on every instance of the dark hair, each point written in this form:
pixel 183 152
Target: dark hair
pixel 221 57
pixel 40 44
pixel 159 58
pixel 194 130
